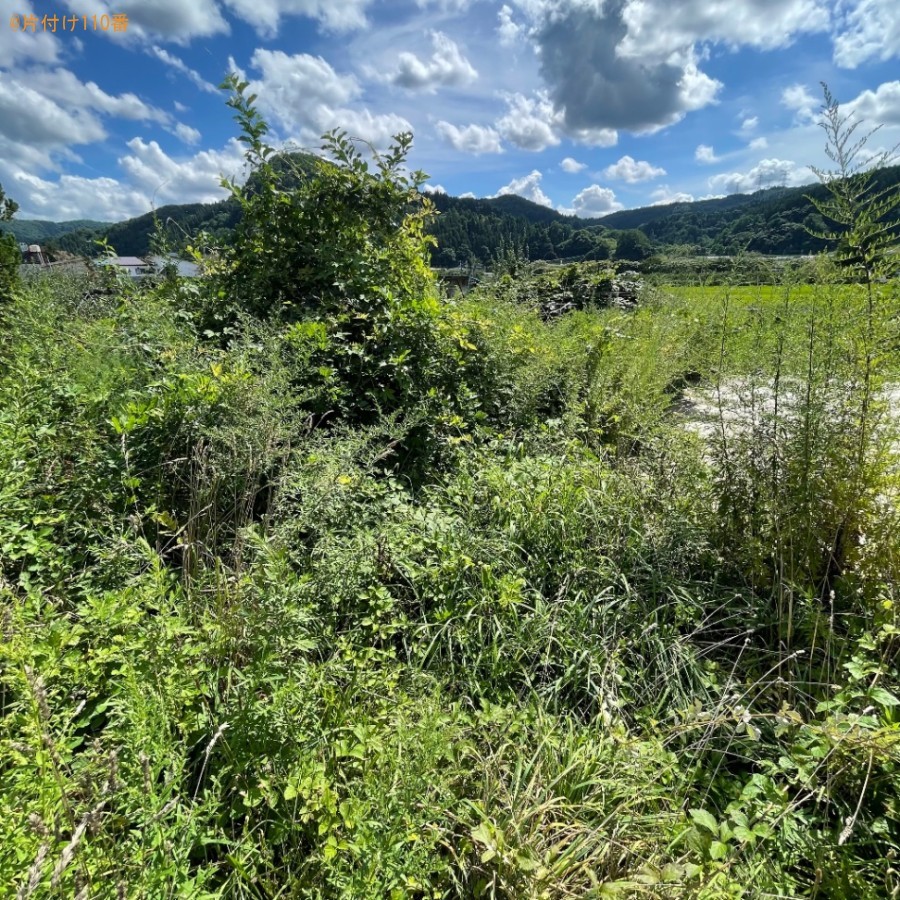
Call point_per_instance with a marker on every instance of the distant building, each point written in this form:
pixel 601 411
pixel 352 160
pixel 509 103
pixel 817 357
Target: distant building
pixel 32 255
pixel 183 268
pixel 144 267
pixel 133 265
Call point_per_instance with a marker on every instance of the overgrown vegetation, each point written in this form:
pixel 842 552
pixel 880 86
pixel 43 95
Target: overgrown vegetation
pixel 315 584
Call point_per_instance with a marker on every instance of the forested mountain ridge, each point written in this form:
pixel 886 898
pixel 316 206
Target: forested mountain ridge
pixel 473 231
pixel 40 231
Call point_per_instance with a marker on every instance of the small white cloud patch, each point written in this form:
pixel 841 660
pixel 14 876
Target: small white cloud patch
pixel 476 139
pixel 633 171
pixel 447 67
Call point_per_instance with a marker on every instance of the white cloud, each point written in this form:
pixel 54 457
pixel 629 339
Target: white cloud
pixel 152 178
pixel 32 120
pixel 433 189
pixel 633 171
pixel 878 107
pixel 759 143
pixel 447 67
pixel 475 139
pixel 65 88
pixel 799 100
pixel 766 173
pixel 187 134
pixel 73 197
pixel 18 46
pixel 572 166
pixel 171 19
pixel 194 180
pixel 636 64
pixel 508 30
pixel 658 28
pixel 705 154
pixel 468 195
pixel 446 5
pixel 530 123
pixel 265 15
pixel 45 112
pixel 180 66
pixel 749 125
pixel 665 195
pixel 529 187
pixel 593 137
pixel 307 97
pixel 592 202
pixel 870 30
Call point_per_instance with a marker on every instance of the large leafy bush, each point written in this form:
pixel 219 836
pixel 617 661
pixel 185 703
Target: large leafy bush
pixel 335 250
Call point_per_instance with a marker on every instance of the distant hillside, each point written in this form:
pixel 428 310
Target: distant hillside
pixel 38 231
pixel 479 231
pixel 771 221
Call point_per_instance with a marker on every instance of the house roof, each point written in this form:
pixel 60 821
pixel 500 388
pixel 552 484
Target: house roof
pixel 128 262
pixel 185 268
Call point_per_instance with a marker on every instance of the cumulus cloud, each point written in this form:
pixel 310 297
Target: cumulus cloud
pixel 186 133
pixel 658 28
pixel 594 137
pixel 433 189
pixel 871 30
pixel 705 154
pixel 635 64
pixel 48 111
pixel 195 180
pixel 447 67
pixel 596 86
pixel 152 179
pixel 65 88
pixel 73 197
pixel 749 125
pixel 798 99
pixel 529 187
pixel 665 195
pixel 27 46
pixel 881 106
pixel 509 31
pixel 177 20
pixel 592 202
pixel 265 15
pixel 633 171
pixel 572 166
pixel 530 122
pixel 179 65
pixel 475 139
pixel 759 143
pixel 171 19
pixel 307 97
pixel 766 173
pixel 30 119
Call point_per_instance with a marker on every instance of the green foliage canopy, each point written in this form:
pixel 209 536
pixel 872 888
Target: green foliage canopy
pixel 10 258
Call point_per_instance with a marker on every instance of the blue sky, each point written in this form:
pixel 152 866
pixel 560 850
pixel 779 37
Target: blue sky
pixel 587 106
